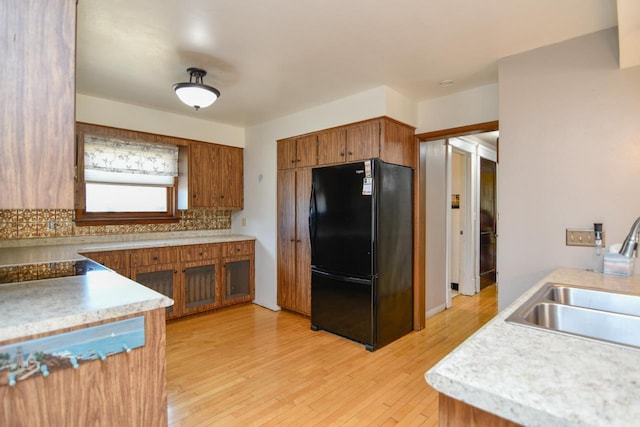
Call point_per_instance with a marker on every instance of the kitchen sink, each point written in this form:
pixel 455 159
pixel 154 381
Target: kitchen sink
pixel 611 317
pixel 594 298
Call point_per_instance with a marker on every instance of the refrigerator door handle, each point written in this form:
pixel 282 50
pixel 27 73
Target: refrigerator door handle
pixel 342 278
pixel 312 215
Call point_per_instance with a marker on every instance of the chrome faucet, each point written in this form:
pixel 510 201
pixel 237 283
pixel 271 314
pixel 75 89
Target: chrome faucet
pixel 630 244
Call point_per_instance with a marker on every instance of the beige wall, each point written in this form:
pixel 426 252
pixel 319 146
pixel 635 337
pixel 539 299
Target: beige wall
pixel 105 112
pixel 569 156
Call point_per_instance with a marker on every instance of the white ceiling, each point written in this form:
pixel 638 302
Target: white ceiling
pixel 270 58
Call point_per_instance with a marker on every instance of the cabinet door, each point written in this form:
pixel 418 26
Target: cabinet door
pixel 199 283
pixel 162 279
pixel 397 144
pixel 204 172
pixel 363 141
pixel 37 104
pixel 231 182
pixel 303 244
pixel 332 147
pixel 287 154
pixel 306 151
pixel 286 238
pixel 238 280
pixel 118 261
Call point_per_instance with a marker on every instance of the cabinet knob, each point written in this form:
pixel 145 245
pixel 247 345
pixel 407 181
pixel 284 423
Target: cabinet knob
pixel 195 196
pixel 293 240
pixel 155 258
pixel 298 240
pixel 342 154
pixel 222 196
pixel 200 254
pixel 350 153
pixel 293 161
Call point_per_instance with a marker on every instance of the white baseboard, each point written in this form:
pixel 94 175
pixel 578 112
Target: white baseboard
pixel 434 311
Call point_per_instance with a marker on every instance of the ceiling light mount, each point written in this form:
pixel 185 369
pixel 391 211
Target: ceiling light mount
pixel 196 94
pixel 445 83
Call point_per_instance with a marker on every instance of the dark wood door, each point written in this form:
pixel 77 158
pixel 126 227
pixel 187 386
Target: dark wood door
pixel 303 244
pixel 286 268
pixel 231 191
pixel 487 223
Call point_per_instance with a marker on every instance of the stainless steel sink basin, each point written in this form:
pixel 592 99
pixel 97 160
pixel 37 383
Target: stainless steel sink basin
pixel 612 317
pixel 616 302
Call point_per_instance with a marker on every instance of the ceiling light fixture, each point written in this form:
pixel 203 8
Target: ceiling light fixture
pixel 445 83
pixel 196 94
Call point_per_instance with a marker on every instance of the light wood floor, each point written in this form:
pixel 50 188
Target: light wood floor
pixel 252 366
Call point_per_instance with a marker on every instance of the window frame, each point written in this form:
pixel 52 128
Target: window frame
pixel 84 218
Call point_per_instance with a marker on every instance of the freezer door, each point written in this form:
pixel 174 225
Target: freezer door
pixel 341 221
pixel 342 305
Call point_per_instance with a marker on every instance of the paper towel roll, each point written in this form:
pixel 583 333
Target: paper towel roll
pixel 615 248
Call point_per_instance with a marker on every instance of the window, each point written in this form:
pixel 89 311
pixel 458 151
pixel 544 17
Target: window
pixel 125 180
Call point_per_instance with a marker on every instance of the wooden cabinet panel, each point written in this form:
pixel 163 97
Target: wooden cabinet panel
pixel 204 164
pixel 118 261
pixel 238 281
pixel 37 104
pixel 199 252
pixel 294 250
pixel 128 389
pixel 397 143
pixel 303 244
pixel 287 154
pixel 153 256
pixel 286 239
pixel 298 152
pixel 163 279
pixel 363 141
pixel 231 178
pixel 237 248
pixel 332 147
pixel 453 412
pixel 306 151
pixel 200 282
pixel 216 177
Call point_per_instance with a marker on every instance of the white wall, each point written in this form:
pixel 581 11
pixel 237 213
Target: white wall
pixel 260 175
pixel 105 112
pixel 569 156
pixel 459 109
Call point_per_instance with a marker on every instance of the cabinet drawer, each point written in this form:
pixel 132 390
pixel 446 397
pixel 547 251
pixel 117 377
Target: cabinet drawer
pixel 153 256
pixel 237 248
pixel 198 252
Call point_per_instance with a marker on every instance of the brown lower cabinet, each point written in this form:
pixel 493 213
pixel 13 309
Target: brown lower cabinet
pixel 453 412
pixel 197 277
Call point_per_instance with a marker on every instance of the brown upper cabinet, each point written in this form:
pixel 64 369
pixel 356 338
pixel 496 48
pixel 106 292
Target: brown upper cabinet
pixel 382 138
pixel 37 104
pixel 215 176
pixel 298 152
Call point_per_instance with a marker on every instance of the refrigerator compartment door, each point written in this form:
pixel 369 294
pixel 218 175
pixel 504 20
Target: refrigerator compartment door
pixel 343 306
pixel 341 221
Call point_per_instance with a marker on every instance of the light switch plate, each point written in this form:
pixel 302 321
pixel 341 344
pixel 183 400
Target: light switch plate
pixel 582 237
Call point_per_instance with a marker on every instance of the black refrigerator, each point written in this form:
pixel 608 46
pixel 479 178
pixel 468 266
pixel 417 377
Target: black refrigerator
pixel 361 230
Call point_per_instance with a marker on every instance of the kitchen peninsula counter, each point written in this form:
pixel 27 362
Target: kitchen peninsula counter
pixel 539 378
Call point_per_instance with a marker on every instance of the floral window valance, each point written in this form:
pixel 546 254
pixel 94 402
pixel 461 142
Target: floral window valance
pixel 117 160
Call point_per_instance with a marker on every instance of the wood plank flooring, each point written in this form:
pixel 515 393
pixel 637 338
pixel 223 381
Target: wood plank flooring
pixel 251 366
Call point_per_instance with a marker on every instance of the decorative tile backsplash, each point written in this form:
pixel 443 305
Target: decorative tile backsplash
pixel 38 223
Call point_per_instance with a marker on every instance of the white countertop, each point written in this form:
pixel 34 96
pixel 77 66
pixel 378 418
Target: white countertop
pixel 33 251
pixel 539 378
pixel 40 306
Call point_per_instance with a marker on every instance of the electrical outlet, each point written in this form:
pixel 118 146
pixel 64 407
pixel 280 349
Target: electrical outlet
pixel 244 222
pixel 582 237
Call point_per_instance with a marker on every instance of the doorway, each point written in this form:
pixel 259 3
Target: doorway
pixel 451 239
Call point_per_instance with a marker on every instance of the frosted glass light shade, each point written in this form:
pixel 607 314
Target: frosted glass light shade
pixel 196 95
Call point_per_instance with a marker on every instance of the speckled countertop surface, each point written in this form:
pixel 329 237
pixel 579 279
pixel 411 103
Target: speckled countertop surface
pixel 539 378
pixel 40 306
pixel 31 251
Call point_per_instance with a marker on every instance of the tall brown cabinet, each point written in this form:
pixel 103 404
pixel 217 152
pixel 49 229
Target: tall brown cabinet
pixel 383 138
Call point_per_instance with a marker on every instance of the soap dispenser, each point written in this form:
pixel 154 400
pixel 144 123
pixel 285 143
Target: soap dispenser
pixel 597 231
